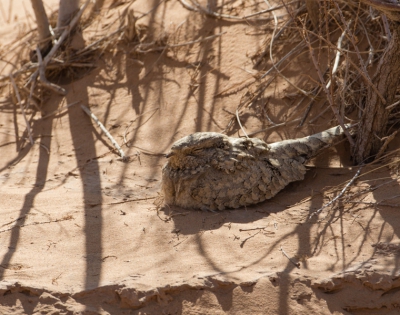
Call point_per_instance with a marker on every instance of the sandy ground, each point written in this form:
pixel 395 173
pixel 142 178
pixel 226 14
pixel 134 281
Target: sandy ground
pixel 79 231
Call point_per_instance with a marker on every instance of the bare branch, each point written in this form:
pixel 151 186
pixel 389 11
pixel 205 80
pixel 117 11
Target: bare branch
pixel 116 145
pixel 22 109
pixel 356 175
pixel 42 25
pixel 43 78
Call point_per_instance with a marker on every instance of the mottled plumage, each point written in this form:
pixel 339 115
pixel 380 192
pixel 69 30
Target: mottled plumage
pixel 211 171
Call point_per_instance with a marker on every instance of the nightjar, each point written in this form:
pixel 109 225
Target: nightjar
pixel 211 171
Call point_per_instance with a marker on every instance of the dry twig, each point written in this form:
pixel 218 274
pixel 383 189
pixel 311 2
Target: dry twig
pixel 274 126
pixel 58 111
pixel 297 264
pixel 22 109
pixel 196 7
pixel 270 9
pixel 139 49
pixel 338 196
pixel 327 91
pixel 252 229
pixel 126 130
pixel 42 76
pixel 65 218
pixel 246 239
pixel 385 144
pixel 116 145
pixel 63 36
pixel 271 55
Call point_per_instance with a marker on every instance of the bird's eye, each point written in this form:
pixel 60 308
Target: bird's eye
pixel 197 150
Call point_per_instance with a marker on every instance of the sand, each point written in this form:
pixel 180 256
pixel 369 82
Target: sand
pixel 80 232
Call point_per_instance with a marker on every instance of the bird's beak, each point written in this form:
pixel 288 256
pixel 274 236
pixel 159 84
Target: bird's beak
pixel 169 154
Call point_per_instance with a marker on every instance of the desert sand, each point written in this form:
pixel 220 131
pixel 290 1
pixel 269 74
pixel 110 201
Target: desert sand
pixel 80 229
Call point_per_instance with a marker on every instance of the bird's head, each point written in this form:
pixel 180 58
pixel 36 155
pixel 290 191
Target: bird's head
pixel 196 149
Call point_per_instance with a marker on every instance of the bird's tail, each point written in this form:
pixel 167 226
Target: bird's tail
pixel 307 147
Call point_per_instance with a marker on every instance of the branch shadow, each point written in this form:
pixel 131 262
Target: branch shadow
pixel 38 129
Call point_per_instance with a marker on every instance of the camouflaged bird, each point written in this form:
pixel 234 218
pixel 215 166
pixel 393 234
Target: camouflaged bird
pixel 211 171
